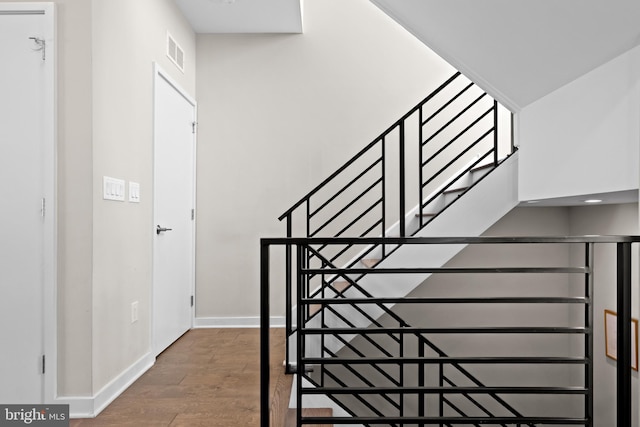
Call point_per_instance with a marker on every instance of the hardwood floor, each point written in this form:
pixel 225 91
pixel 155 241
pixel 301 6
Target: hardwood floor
pixel 209 377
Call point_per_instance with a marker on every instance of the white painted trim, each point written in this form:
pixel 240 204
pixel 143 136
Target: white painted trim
pixel 50 259
pixel 159 72
pixel 236 322
pixel 90 407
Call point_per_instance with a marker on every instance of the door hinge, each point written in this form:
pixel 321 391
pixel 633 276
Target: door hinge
pixel 43 364
pixel 43 207
pixel 191 300
pixel 193 214
pixel 194 127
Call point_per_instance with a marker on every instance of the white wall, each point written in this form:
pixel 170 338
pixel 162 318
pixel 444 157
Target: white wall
pixel 127 38
pixel 279 113
pixel 584 136
pixel 75 168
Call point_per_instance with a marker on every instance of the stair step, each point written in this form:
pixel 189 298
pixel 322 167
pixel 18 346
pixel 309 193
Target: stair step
pixel 308 412
pixel 338 286
pixel 370 262
pixel 455 190
pixel 482 167
pixel 314 309
pixel 425 214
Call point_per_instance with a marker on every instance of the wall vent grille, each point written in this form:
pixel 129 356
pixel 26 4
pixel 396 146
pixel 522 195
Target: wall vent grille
pixel 175 52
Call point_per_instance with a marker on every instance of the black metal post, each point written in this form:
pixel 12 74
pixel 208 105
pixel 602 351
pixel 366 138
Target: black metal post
pixel 288 297
pixel 402 182
pixel 300 328
pixel 624 335
pixel 421 374
pixel 264 335
pixel 495 133
pixel 384 193
pixel 588 338
pixel 420 171
pixel 401 370
pixel 440 395
pixel 513 134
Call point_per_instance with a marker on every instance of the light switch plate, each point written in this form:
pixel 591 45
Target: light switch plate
pixel 113 188
pixel 134 192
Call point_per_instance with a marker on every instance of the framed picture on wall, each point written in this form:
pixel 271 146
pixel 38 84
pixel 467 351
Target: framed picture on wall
pixel 611 340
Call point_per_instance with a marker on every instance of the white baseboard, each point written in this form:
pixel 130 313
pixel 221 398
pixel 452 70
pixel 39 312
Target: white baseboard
pixel 90 407
pixel 236 322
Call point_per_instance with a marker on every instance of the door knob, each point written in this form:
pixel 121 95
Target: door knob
pixel 162 229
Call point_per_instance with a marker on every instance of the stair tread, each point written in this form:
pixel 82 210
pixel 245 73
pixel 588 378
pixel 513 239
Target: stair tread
pixel 340 285
pixel 455 190
pixel 370 262
pixel 426 214
pixel 481 167
pixel 308 412
pixel 314 309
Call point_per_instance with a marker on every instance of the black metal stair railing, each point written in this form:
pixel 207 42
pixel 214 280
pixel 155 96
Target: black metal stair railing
pixel 424 343
pixel 461 129
pixel 361 199
pixel 416 390
pixel 454 130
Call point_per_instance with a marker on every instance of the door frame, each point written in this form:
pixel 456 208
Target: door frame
pixel 160 73
pixel 50 259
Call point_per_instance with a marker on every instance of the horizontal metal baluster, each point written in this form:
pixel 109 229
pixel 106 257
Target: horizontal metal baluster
pixel 451 162
pixel 455 408
pixel 449 270
pixel 345 188
pixel 469 330
pixel 448 360
pixel 460 135
pixel 366 381
pixel 443 300
pixel 356 351
pixel 358 218
pixel 451 101
pixel 453 120
pixel 369 340
pixel 348 205
pixel 360 398
pixel 471 399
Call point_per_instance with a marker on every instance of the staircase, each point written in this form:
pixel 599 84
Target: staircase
pixel 454 133
pixel 352 345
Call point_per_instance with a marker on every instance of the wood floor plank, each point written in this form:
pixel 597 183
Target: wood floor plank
pixel 209 377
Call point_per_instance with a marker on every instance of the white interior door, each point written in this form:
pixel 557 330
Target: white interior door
pixel 173 275
pixel 26 185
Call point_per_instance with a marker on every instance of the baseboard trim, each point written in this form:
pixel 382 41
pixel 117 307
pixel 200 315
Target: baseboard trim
pixel 90 407
pixel 236 322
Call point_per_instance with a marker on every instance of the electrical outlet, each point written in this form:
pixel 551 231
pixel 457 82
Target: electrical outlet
pixel 134 312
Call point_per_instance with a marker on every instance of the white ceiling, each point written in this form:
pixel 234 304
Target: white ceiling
pixel 517 50
pixel 521 50
pixel 243 16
